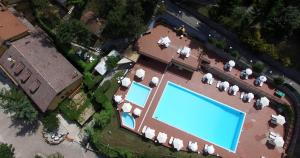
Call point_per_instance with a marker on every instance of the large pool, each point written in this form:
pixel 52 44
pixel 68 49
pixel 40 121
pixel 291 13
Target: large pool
pixel 200 116
pixel 138 94
pixel 127 120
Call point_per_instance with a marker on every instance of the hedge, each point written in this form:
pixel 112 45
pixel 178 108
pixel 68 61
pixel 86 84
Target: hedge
pixel 112 90
pixel 90 80
pixel 50 122
pixel 106 85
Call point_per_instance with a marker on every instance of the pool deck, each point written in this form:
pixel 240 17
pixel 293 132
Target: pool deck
pixel 252 142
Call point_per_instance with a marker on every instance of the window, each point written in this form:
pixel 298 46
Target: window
pixel 25 76
pixel 19 68
pixel 34 86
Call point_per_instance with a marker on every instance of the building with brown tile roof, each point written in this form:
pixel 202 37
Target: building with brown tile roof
pixel 11 28
pixel 44 74
pixel 148 45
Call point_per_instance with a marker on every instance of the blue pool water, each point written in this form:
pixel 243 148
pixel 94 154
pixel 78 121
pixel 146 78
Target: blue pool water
pixel 138 94
pixel 127 120
pixel 200 116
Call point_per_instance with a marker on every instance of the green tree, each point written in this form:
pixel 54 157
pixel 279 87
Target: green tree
pixel 41 4
pixel 7 150
pixel 226 6
pixel 73 30
pixel 17 104
pixel 50 122
pixel 125 19
pixel 102 119
pixel 78 3
pixel 112 62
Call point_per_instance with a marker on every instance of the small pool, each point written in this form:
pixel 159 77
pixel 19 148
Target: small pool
pixel 200 116
pixel 127 120
pixel 138 94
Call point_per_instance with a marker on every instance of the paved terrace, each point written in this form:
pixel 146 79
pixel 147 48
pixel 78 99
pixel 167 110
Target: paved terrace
pixel 252 142
pixel 266 90
pixel 148 46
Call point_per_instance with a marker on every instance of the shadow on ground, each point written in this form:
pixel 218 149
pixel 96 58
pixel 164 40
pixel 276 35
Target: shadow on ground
pixel 25 129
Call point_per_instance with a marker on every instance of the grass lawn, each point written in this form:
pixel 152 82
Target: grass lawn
pixel 121 138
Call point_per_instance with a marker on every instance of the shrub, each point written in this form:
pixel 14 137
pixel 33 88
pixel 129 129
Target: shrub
pixel 112 90
pixel 111 62
pixel 108 106
pixel 278 81
pixel 88 80
pixel 286 61
pixel 56 155
pixel 106 85
pixel 220 44
pixel 235 54
pixel 50 122
pixel 99 96
pixel 69 110
pixel 258 67
pixel 6 150
pixel 102 119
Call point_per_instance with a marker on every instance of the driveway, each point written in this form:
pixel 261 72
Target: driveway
pixel 27 144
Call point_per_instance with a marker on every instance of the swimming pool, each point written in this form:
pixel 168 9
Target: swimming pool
pixel 127 120
pixel 200 116
pixel 138 94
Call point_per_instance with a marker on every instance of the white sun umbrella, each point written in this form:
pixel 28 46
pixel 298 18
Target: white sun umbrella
pixel 155 80
pixel 140 73
pixel 137 112
pixel 177 144
pixel 150 133
pixel 250 96
pixel 207 77
pixel 185 50
pixel 225 85
pixel 193 146
pixel 126 82
pixel 235 88
pixel 262 78
pixel 210 149
pixel 118 98
pixel 231 63
pixel 280 119
pixel 278 142
pixel 248 71
pixel 162 137
pixel 264 101
pixel 164 41
pixel 126 107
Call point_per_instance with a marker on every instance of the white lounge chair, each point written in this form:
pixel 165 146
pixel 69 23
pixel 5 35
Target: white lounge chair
pixel 261 84
pixel 179 50
pixel 249 100
pixel 218 84
pixel 211 81
pixel 225 89
pixel 272 135
pixel 144 129
pixel 205 147
pixel 242 95
pixel 171 140
pixel 187 55
pixel 234 93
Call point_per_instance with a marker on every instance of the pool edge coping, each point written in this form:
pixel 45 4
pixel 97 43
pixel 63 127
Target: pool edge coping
pixel 241 128
pixel 150 90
